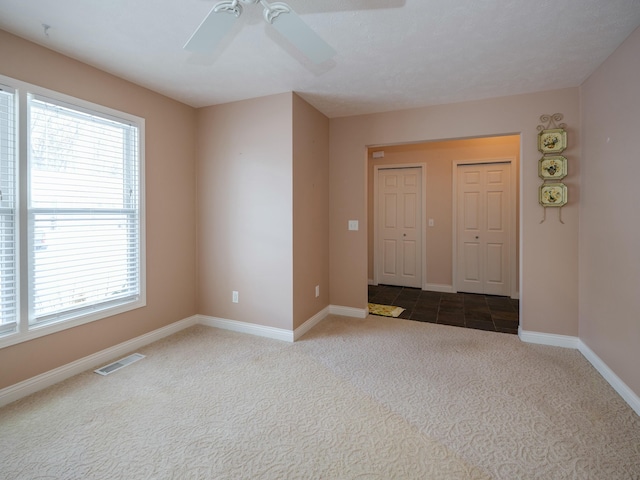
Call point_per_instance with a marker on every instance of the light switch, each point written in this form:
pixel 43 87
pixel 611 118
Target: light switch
pixel 353 224
pixel 431 222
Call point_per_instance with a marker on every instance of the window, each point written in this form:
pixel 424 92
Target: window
pixel 78 221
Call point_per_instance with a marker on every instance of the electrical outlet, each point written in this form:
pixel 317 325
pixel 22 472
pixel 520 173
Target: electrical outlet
pixel 234 297
pixel 317 291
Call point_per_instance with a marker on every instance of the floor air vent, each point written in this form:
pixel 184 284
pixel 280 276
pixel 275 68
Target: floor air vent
pixel 123 362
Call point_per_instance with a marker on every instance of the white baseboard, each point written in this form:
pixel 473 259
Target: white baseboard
pixel 261 330
pixel 618 385
pixel 309 324
pixel 279 333
pixel 348 311
pixel 371 281
pixel 438 287
pixel 551 339
pixel 44 380
pixel 566 341
pixel 244 327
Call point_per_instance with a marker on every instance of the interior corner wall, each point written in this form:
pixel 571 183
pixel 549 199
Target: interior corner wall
pixel 310 211
pixel 170 207
pixel 609 218
pixel 548 251
pixel 245 211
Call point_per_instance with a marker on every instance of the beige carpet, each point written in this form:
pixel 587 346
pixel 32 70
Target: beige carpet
pixel 378 398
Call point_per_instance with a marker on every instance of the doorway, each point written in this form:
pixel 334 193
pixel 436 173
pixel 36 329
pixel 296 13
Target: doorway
pixel 437 160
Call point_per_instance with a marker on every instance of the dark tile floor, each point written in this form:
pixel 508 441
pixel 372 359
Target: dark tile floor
pixel 483 312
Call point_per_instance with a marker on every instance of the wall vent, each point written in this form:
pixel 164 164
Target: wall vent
pixel 123 362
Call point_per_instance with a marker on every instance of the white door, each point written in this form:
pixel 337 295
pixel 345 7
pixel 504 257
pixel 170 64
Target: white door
pixel 399 255
pixel 483 228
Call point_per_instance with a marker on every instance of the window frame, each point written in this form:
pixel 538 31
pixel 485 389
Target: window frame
pixel 25 330
pixel 12 210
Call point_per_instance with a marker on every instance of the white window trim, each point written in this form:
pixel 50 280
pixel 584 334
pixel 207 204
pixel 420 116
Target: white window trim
pixel 28 332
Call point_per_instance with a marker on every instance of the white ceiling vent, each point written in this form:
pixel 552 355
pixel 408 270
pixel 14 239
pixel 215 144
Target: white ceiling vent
pixel 123 362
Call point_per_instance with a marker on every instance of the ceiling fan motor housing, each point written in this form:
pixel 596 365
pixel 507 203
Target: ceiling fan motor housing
pixel 215 26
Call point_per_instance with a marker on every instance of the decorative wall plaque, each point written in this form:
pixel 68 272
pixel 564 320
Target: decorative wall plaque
pixel 552 141
pixel 553 194
pixel 552 168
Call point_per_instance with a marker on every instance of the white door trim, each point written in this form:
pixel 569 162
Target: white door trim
pixel 513 258
pixel 423 202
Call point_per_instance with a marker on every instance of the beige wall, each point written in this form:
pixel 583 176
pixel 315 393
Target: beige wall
pixel 170 207
pixel 609 220
pixel 438 158
pixel 310 211
pixel 245 211
pixel 549 278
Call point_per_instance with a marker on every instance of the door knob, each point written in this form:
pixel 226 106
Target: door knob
pixel 404 235
pixel 477 237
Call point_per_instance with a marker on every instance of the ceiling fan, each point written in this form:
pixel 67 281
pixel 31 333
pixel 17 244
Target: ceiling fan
pixel 223 15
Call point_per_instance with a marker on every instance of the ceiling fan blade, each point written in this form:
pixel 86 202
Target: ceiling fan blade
pixel 293 28
pixel 211 31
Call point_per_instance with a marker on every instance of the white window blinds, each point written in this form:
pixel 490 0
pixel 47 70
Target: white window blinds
pixel 8 214
pixel 83 211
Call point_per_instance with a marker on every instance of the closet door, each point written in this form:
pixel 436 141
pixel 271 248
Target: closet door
pixel 400 227
pixel 483 228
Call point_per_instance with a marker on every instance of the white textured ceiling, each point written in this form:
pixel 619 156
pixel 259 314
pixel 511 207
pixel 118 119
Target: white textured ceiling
pixel 392 54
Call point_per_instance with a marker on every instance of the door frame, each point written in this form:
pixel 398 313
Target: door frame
pixel 513 257
pixel 423 216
